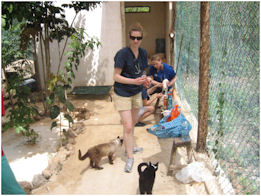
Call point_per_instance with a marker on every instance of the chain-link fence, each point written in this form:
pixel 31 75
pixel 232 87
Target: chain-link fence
pixel 233 133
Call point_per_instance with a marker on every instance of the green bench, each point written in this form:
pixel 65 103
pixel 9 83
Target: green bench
pixel 92 90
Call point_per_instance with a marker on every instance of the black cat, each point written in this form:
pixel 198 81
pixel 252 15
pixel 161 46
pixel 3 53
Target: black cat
pixel 147 177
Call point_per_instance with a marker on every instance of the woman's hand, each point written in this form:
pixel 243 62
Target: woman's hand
pixel 124 80
pixel 140 81
pixel 147 81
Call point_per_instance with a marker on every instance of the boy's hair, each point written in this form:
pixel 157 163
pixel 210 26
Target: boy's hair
pixel 136 27
pixel 157 57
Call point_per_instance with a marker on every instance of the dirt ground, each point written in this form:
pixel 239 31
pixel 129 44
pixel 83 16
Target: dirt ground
pixel 77 177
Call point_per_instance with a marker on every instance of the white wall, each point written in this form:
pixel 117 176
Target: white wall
pixel 96 68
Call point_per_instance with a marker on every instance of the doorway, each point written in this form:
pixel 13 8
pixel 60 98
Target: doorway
pixel 152 16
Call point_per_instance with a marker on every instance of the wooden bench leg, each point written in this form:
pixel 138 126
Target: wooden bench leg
pixel 189 153
pixel 172 159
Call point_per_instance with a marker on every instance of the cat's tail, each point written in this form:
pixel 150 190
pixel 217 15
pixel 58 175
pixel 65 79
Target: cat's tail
pixel 84 156
pixel 140 166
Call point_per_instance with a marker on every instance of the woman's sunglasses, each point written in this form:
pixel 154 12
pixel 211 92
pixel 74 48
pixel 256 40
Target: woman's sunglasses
pixel 133 38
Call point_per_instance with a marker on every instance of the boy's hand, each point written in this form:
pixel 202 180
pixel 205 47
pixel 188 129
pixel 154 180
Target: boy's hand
pixel 159 95
pixel 159 85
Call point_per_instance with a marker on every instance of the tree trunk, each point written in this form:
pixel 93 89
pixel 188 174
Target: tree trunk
pixel 43 63
pixel 203 91
pixel 9 94
pixel 67 38
pixel 44 75
pixel 47 52
pixel 36 66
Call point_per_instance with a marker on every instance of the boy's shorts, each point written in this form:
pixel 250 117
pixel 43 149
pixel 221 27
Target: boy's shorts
pixel 141 112
pixel 127 103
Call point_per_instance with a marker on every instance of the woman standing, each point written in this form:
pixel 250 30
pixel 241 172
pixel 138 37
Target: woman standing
pixel 130 63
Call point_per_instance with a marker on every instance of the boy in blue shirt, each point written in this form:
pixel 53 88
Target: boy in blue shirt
pixel 160 71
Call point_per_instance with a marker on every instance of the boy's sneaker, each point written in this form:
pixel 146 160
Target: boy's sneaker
pixel 129 164
pixel 140 124
pixel 137 149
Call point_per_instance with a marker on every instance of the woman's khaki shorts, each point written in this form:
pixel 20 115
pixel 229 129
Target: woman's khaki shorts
pixel 127 103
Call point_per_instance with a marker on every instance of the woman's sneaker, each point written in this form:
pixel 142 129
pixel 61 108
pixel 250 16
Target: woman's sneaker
pixel 129 164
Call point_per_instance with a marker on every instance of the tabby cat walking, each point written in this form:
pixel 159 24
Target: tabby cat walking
pixel 147 177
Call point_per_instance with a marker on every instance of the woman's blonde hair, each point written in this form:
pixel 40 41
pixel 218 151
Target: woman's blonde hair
pixel 136 27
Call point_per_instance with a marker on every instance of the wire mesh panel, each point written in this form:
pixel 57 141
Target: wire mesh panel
pixel 233 135
pixel 187 46
pixel 234 92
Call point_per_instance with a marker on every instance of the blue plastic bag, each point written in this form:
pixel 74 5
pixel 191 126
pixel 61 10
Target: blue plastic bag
pixel 178 127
